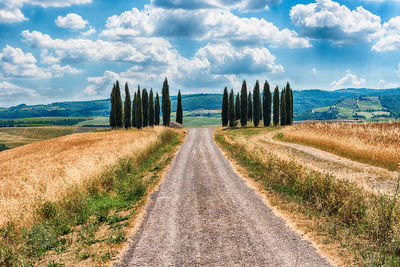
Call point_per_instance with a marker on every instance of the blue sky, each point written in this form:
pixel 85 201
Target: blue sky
pixel 57 50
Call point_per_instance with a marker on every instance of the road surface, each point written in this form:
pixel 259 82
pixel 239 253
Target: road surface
pixel 205 214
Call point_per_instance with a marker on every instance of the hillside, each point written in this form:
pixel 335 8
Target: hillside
pixel 308 105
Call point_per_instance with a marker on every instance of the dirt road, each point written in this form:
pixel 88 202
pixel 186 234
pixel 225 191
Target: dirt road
pixel 204 214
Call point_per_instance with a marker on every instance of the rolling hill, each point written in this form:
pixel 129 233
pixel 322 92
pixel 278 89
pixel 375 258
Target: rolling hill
pixel 308 105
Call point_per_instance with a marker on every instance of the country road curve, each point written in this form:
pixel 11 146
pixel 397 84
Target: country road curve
pixel 204 214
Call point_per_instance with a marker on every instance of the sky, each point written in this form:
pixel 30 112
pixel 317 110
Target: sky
pixel 67 50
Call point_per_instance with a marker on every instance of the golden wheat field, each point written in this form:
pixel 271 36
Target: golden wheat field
pixel 45 170
pixel 374 143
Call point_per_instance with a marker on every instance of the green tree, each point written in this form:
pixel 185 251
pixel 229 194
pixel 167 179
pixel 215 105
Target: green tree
pixel 291 106
pixel 237 107
pixel 179 111
pixel 145 107
pixel 134 109
pixel 157 110
pixel 267 101
pixel 225 115
pixel 166 103
pixel 231 109
pixel 139 111
pixel 112 111
pixel 127 108
pixel 256 105
pixel 151 108
pixel 243 104
pixel 118 106
pixel 249 108
pixel 283 107
pixel 276 106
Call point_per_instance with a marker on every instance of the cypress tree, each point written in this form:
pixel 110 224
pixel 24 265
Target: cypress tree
pixel 112 111
pixel 134 110
pixel 256 105
pixel 283 107
pixel 287 103
pixel 179 111
pixel 237 107
pixel 151 108
pixel 225 115
pixel 145 107
pixel 157 110
pixel 249 108
pixel 267 101
pixel 291 106
pixel 118 107
pixel 231 109
pixel 276 106
pixel 243 104
pixel 127 108
pixel 166 103
pixel 139 113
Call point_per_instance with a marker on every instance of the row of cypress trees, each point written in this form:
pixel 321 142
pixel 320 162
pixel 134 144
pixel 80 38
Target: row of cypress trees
pixel 144 110
pixel 254 108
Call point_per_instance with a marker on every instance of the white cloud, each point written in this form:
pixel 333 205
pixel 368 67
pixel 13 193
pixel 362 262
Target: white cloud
pixel 326 19
pixel 88 32
pixel 14 63
pixel 213 24
pixel 99 85
pixel 71 21
pixel 315 71
pixel 11 94
pixel 243 5
pixel 10 10
pixel 141 50
pixel 384 85
pixel 349 80
pixel 389 37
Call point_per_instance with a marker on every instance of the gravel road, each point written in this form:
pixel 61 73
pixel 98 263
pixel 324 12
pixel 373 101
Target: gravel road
pixel 205 214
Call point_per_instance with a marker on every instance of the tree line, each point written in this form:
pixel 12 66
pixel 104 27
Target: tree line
pixel 144 109
pixel 277 107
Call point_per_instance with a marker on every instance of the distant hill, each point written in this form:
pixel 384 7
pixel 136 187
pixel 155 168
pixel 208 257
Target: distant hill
pixel 308 104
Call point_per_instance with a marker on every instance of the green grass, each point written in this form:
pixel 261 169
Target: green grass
pixel 82 212
pixel 96 121
pixel 364 224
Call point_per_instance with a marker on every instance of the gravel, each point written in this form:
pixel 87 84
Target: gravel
pixel 205 214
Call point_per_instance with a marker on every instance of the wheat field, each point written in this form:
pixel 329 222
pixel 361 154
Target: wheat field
pixel 45 170
pixel 374 143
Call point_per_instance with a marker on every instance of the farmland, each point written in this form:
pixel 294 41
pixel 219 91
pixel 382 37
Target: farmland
pixel 317 191
pixel 76 188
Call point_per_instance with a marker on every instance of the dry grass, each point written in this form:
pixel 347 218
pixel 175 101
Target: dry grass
pixel 44 171
pixel 18 136
pixel 374 143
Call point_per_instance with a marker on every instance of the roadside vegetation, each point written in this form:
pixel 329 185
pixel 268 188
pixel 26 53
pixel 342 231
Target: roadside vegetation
pixel 377 144
pixel 349 223
pixel 79 211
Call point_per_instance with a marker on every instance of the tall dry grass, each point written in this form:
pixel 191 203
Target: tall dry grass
pixel 373 143
pixel 44 171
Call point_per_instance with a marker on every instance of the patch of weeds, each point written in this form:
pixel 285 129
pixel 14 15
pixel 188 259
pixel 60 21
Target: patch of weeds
pixel 55 264
pixel 85 255
pixel 115 218
pixel 116 237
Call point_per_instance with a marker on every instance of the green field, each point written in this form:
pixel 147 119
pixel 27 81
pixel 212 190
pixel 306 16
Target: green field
pixel 17 136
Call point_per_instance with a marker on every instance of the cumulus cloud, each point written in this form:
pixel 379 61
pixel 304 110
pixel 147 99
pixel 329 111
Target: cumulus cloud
pixel 244 5
pixel 349 80
pixel 10 10
pixel 389 37
pixel 326 19
pixel 71 21
pixel 11 94
pixel 384 85
pixel 14 63
pixel 213 24
pixel 142 50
